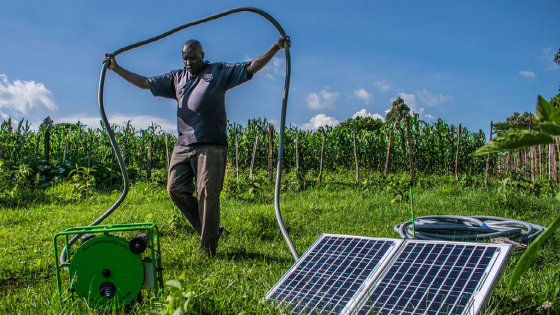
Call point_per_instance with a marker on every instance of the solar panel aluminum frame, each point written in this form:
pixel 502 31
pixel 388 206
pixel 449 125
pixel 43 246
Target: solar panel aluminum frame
pixel 367 282
pixel 480 297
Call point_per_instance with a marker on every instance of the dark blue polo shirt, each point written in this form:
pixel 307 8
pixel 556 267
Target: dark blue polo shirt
pixel 201 110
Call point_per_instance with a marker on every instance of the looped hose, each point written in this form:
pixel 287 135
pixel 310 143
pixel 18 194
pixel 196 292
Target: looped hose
pixel 63 256
pixel 473 228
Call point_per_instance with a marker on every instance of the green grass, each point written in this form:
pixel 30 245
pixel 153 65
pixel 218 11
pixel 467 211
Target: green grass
pixel 252 255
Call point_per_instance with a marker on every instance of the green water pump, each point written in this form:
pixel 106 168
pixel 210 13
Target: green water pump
pixel 106 269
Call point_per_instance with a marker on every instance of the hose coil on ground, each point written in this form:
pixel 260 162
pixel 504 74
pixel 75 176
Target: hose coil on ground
pixel 468 228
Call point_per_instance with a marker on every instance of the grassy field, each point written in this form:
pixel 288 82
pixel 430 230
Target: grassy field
pixel 252 254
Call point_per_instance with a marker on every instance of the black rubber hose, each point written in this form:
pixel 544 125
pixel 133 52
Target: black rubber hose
pixel 282 121
pixel 463 228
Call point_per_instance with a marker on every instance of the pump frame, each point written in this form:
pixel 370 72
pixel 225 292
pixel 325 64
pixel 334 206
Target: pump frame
pixel 154 250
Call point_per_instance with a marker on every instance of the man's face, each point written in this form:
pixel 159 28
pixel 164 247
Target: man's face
pixel 193 58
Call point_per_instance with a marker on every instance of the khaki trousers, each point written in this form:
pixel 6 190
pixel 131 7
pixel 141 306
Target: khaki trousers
pixel 206 164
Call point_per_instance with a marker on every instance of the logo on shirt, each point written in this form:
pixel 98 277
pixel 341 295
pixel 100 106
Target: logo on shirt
pixel 207 77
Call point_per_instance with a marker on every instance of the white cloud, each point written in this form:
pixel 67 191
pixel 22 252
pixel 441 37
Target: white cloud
pixel 3 116
pixel 139 121
pixel 528 74
pixel 365 113
pixel 430 99
pixel 382 86
pixel 319 121
pixel 323 100
pixel 364 95
pixel 23 96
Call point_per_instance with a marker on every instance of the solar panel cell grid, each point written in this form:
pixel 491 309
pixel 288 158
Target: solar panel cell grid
pixel 330 274
pixel 429 279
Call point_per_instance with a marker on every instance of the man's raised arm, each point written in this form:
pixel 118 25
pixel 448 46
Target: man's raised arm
pixel 136 79
pixel 258 63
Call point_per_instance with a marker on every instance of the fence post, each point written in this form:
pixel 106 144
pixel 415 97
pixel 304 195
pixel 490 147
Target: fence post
pixel 356 158
pixel 387 157
pixel 236 152
pixel 457 155
pixel 112 165
pixel 549 164
pixel 141 151
pixel 89 151
pixel 36 149
pixel 321 161
pixel 533 153
pixel 149 161
pixel 270 147
pixel 554 167
pixel 253 156
pixel 47 144
pixel 167 151
pixel 297 153
pixel 488 160
pixel 65 146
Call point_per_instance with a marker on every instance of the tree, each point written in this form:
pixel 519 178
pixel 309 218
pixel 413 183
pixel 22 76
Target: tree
pixel 515 121
pixel 399 110
pixel 361 123
pixel 46 124
pixel 555 101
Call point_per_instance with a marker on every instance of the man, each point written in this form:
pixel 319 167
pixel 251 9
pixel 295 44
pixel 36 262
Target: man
pixel 201 148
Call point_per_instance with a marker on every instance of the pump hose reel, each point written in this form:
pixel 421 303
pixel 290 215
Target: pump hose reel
pixel 106 268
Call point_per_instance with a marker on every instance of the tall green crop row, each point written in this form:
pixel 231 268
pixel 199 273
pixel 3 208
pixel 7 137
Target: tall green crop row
pixel 434 146
pixel 23 144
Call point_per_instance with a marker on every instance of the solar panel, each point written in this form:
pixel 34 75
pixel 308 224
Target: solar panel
pixel 334 271
pixel 436 277
pixel 341 274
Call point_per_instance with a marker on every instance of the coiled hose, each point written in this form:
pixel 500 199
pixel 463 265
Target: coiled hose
pixel 464 228
pixel 63 256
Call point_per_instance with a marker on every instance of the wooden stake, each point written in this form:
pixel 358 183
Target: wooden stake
pixel 141 151
pixel 554 165
pixel 548 165
pixel 533 153
pixel 387 157
pixel 356 158
pixel 253 156
pixel 270 151
pixel 149 161
pixel 488 160
pixel 519 161
pixel 89 151
pixel 236 155
pixel 297 152
pixel 65 147
pixel 321 161
pixel 540 164
pixel 167 151
pixel 47 144
pixel 112 166
pixel 36 149
pixel 457 155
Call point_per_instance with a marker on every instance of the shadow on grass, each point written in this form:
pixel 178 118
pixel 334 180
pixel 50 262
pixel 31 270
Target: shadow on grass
pixel 237 255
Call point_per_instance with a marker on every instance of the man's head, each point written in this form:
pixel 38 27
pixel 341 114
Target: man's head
pixel 193 56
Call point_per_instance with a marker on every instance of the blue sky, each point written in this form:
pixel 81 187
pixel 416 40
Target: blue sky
pixel 467 62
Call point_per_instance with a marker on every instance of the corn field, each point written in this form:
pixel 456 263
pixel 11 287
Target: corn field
pixel 434 146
